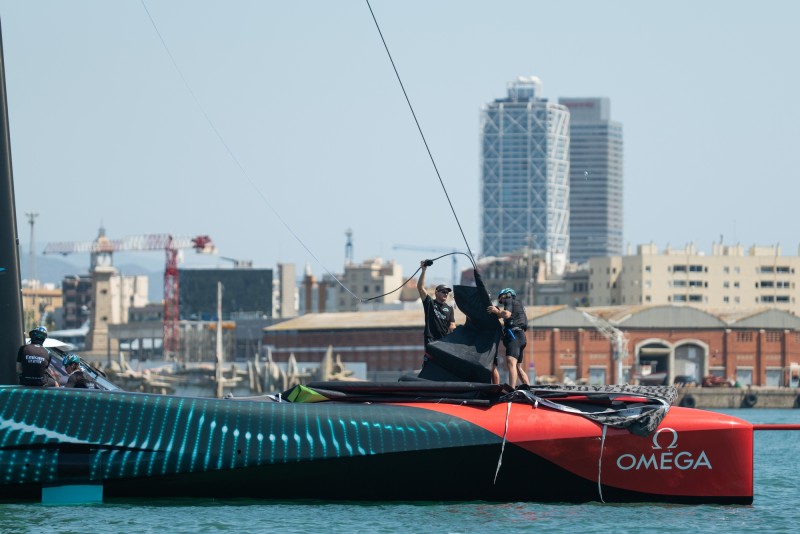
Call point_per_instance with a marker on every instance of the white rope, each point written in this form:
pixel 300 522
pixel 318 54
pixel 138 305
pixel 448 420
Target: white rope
pixel 503 448
pixel 600 465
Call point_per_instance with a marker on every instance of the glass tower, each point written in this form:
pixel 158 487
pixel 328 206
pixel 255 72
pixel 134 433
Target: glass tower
pixel 596 180
pixel 524 172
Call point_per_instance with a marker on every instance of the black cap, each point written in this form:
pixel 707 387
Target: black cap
pixel 443 287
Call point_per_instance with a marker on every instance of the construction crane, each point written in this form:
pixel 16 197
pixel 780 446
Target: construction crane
pixel 103 247
pixel 436 250
pixel 238 264
pixel 618 339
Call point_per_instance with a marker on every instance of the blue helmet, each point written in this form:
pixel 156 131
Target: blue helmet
pixel 508 291
pixel 69 359
pixel 38 334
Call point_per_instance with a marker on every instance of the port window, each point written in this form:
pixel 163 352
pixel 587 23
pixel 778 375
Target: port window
pixel 774 376
pixel 744 376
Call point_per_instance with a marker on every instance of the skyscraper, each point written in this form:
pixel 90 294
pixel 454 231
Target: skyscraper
pixel 524 172
pixel 596 180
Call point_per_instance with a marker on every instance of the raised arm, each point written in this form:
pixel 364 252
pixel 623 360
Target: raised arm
pixel 421 282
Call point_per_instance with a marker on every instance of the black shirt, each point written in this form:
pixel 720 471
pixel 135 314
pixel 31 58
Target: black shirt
pixel 79 379
pixel 34 360
pixel 518 319
pixel 437 319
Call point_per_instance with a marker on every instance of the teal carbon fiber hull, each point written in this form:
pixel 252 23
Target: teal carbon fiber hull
pixel 143 445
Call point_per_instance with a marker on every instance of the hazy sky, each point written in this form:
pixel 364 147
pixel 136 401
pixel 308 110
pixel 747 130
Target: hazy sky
pixel 103 129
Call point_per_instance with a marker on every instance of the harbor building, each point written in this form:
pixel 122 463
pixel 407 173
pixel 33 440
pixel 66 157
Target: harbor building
pixel 596 183
pixel 112 296
pixel 247 292
pixel 371 278
pixel 663 344
pixel 389 342
pixel 525 190
pixel 76 300
pixel 728 278
pixel 317 296
pixel 285 295
pixel 667 344
pixel 538 282
pixel 40 302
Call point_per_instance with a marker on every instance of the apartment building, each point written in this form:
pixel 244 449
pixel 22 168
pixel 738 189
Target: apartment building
pixel 729 277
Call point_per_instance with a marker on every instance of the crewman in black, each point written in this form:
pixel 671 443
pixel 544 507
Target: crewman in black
pixel 77 377
pixel 439 315
pixel 515 323
pixel 33 360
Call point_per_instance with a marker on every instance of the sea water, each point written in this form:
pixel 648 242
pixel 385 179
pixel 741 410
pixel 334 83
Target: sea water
pixel 776 508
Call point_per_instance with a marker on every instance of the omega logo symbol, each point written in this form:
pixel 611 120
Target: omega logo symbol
pixel 674 442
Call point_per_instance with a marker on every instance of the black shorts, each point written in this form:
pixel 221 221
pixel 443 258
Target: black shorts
pixel 515 347
pixel 45 381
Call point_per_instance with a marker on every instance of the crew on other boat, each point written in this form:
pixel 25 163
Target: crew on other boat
pixel 77 378
pixel 33 360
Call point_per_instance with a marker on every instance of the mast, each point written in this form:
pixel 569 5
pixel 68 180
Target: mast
pixel 11 329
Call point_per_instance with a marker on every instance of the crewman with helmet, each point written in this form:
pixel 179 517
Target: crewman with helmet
pixel 77 377
pixel 33 360
pixel 515 323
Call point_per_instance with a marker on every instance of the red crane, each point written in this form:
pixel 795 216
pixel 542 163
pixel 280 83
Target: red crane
pixel 171 245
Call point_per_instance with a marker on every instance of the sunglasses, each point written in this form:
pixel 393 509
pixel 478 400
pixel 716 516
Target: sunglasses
pixel 445 291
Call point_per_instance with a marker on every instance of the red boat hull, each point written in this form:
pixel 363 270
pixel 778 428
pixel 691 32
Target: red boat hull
pixel 694 455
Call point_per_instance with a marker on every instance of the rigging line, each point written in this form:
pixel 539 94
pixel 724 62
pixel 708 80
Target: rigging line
pixel 425 142
pixel 411 277
pixel 503 447
pixel 600 465
pixel 232 155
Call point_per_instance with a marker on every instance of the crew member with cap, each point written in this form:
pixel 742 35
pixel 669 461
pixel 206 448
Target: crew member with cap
pixel 77 377
pixel 439 315
pixel 33 360
pixel 515 323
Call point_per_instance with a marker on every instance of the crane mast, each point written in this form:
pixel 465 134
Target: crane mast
pixel 146 242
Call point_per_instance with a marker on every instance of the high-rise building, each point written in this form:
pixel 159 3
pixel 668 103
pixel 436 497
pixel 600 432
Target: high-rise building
pixel 524 172
pixel 595 180
pixel 246 293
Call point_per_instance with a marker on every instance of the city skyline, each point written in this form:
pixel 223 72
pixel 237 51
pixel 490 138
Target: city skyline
pixel 596 179
pixel 525 172
pixel 103 130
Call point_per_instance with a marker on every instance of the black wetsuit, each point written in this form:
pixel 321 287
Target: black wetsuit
pixel 514 331
pixel 34 360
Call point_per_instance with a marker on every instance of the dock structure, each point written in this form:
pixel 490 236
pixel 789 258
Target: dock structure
pixel 725 398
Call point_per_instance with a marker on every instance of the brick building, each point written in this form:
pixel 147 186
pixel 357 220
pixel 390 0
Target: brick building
pixel 760 347
pixel 389 342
